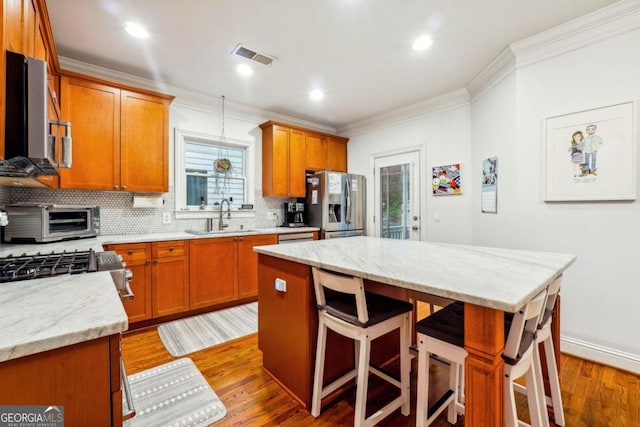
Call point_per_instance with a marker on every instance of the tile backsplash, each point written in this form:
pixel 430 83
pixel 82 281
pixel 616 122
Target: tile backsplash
pixel 118 216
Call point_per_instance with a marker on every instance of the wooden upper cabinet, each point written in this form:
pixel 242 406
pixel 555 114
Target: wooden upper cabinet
pixel 315 152
pixel 337 154
pixel 14 28
pixel 283 171
pixel 120 137
pixel 297 185
pixel 94 112
pixel 289 151
pixel 144 144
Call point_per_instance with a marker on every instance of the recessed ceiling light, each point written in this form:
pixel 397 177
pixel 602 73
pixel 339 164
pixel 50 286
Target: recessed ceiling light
pixel 244 70
pixel 316 94
pixel 422 42
pixel 136 30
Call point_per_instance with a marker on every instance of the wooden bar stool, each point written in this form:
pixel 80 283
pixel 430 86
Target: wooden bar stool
pixel 543 337
pixel 441 334
pixel 350 311
pixel 519 361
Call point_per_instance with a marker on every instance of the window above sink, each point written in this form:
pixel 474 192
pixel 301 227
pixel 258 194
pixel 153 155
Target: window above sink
pixel 202 180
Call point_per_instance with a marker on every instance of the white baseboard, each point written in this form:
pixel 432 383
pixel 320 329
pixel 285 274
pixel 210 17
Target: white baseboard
pixel 597 353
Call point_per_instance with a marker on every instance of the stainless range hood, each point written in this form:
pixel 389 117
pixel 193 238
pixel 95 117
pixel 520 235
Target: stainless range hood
pixel 30 144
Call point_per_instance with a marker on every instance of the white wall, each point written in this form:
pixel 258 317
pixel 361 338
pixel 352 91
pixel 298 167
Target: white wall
pixel 493 134
pixel 444 138
pixel 600 316
pixel 600 293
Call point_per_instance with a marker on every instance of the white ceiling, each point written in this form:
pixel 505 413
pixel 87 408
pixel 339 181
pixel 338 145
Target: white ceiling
pixel 358 51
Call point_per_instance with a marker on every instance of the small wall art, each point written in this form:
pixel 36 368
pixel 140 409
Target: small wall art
pixel 590 155
pixel 489 200
pixel 446 180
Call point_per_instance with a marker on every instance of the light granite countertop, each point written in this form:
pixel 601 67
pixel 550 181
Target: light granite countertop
pixel 504 279
pixel 44 314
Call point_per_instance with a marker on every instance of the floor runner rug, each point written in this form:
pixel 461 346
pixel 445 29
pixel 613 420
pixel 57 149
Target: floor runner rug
pixel 173 394
pixel 185 336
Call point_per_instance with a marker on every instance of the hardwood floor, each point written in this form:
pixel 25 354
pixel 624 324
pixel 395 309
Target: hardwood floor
pixel 594 395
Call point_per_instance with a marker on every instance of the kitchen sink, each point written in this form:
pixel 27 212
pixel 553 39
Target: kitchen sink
pixel 218 232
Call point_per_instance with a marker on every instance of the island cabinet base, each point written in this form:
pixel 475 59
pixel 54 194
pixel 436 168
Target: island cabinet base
pixel 84 378
pixel 288 329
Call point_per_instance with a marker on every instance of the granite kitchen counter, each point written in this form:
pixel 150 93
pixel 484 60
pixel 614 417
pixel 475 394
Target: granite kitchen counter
pixel 48 313
pixel 44 314
pixel 503 279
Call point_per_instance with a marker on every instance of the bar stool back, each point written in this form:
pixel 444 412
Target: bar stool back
pixel 518 356
pixel 543 336
pixel 363 317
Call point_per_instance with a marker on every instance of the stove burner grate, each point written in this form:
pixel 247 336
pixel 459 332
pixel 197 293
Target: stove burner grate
pixel 25 267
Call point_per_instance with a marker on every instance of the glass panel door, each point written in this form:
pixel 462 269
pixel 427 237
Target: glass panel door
pixel 397 210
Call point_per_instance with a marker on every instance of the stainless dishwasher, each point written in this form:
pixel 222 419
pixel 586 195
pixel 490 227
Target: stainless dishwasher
pixel 295 237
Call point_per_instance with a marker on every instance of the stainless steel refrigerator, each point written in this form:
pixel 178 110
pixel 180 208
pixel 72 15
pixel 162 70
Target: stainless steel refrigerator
pixel 335 203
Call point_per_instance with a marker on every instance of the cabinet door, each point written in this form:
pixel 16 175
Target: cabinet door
pixel 296 179
pixel 169 278
pixel 144 143
pixel 280 159
pixel 213 263
pixel 337 155
pixel 315 152
pixel 94 111
pixel 76 376
pixel 138 259
pixel 13 26
pixel 248 263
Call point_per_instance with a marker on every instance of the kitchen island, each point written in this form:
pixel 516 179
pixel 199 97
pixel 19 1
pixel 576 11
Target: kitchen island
pixel 490 281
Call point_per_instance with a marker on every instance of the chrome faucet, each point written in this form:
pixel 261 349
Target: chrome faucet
pixel 220 224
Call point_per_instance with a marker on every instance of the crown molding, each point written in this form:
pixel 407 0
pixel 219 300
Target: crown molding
pixel 502 66
pixel 610 21
pixel 189 99
pixel 447 101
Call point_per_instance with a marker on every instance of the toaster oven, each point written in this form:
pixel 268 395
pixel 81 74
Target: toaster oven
pixel 41 223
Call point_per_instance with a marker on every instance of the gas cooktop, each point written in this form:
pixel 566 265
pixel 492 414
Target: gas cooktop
pixel 25 267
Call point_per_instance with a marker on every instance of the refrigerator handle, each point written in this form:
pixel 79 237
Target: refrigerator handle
pixel 347 215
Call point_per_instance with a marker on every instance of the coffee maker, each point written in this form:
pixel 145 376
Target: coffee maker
pixel 294 214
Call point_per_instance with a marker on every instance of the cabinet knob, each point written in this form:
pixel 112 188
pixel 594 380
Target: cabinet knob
pixel 147 262
pixel 124 187
pixel 116 187
pixel 155 261
pixel 130 252
pixel 171 248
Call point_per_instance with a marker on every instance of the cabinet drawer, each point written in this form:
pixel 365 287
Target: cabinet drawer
pixel 132 253
pixel 170 249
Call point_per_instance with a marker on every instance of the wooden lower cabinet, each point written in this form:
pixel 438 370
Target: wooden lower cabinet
pixel 160 278
pixel 137 256
pixel 173 277
pixel 214 271
pixel 84 378
pixel 248 263
pixel 225 269
pixel 169 277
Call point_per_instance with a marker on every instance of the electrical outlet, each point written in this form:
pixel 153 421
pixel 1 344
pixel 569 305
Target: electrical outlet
pixel 281 285
pixel 271 215
pixel 166 217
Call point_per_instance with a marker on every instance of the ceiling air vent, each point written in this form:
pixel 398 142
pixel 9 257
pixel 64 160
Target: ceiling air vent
pixel 245 52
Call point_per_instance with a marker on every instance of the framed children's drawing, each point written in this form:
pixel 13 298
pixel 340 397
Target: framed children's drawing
pixel 590 155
